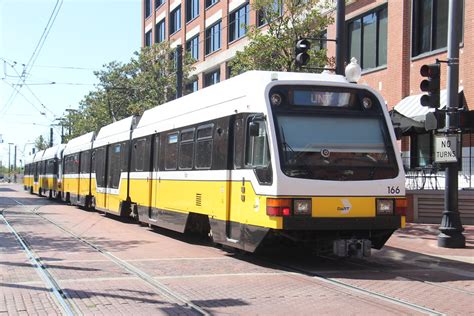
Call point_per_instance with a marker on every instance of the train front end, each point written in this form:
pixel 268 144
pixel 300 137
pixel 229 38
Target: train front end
pixel 339 180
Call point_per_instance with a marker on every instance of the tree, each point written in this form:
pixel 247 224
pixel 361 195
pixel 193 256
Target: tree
pixel 128 89
pixel 41 143
pixel 272 47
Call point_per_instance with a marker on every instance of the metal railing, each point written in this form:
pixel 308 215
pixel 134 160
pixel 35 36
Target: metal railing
pixel 431 176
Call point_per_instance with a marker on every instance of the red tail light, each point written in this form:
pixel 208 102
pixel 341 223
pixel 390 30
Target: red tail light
pixel 278 207
pixel 401 207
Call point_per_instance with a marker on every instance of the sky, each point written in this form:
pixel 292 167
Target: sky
pixel 85 35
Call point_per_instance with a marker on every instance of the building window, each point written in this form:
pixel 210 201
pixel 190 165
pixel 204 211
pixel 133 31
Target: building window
pixel 238 22
pixel 158 3
pixel 322 43
pixel 147 8
pixel 192 46
pixel 367 37
pixel 210 3
pixel 192 9
pixel 175 20
pixel 264 15
pixel 148 41
pixel 160 31
pixel 192 87
pixel 212 78
pixel 430 25
pixel 213 38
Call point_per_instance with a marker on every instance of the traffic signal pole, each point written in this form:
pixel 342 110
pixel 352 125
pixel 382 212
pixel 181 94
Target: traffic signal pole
pixel 340 41
pixel 451 229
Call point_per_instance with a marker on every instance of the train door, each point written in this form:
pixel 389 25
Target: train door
pixel 235 181
pixel 113 199
pixel 251 158
pixel 101 174
pixel 141 189
pixel 154 179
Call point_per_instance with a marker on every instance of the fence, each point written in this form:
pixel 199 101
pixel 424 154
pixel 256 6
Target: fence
pixel 432 176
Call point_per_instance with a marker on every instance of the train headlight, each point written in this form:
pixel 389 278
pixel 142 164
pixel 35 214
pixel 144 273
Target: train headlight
pixel 385 207
pixel 302 207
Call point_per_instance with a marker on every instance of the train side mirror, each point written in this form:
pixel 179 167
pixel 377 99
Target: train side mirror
pixel 398 133
pixel 254 129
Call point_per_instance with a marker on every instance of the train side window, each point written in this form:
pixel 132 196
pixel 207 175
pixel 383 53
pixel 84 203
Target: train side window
pixel 113 174
pixel 100 166
pixel 36 172
pixel 50 166
pixel 85 161
pixel 257 153
pixel 124 156
pixel 186 149
pixel 139 155
pixel 93 161
pixel 76 163
pixel 56 163
pixel 171 151
pixel 239 142
pixel 204 144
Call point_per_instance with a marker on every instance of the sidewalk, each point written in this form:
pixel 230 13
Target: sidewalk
pixel 422 239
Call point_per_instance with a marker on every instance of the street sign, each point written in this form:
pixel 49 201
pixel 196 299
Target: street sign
pixel 446 148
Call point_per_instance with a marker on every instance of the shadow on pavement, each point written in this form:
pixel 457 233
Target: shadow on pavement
pixel 131 296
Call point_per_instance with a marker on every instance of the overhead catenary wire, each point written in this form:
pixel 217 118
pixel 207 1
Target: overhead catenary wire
pixel 25 73
pixel 4 110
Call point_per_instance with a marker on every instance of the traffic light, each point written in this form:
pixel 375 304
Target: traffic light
pixel 430 85
pixel 301 52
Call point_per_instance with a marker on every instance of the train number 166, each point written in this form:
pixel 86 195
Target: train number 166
pixel 393 190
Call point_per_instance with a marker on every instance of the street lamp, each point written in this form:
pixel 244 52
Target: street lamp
pixel 70 112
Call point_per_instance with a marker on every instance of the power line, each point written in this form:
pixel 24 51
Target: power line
pixel 4 110
pixel 25 73
pixel 57 83
pixel 29 89
pixel 65 67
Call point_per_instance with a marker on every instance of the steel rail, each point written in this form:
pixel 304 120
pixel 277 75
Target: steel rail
pixel 59 294
pixel 357 264
pixel 161 288
pixel 357 289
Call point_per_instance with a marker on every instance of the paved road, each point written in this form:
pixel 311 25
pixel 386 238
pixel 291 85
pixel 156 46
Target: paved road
pixel 80 262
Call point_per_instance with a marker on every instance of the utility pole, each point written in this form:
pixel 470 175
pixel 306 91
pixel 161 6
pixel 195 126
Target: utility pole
pixel 179 71
pixel 340 37
pixel 9 162
pixel 14 166
pixel 451 229
pixel 50 137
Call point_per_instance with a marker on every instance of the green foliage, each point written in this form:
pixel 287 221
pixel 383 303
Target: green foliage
pixel 272 47
pixel 41 143
pixel 148 80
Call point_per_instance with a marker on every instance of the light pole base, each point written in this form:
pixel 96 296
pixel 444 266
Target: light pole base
pixel 455 239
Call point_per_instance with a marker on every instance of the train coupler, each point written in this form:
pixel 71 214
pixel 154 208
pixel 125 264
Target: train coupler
pixel 352 248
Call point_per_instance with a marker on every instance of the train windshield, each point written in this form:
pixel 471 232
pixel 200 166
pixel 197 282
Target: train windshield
pixel 336 135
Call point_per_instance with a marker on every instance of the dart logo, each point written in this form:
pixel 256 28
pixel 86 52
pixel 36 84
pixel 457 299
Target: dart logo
pixel 346 208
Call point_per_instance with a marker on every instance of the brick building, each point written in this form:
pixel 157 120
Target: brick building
pixel 391 40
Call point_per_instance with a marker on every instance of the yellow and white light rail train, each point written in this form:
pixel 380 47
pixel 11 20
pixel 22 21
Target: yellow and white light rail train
pixel 261 156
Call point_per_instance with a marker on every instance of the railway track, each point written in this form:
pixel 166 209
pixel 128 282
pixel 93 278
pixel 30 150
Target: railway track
pixel 361 290
pixel 66 303
pixel 70 309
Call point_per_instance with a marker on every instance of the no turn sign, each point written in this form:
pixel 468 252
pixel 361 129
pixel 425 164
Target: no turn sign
pixel 446 148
